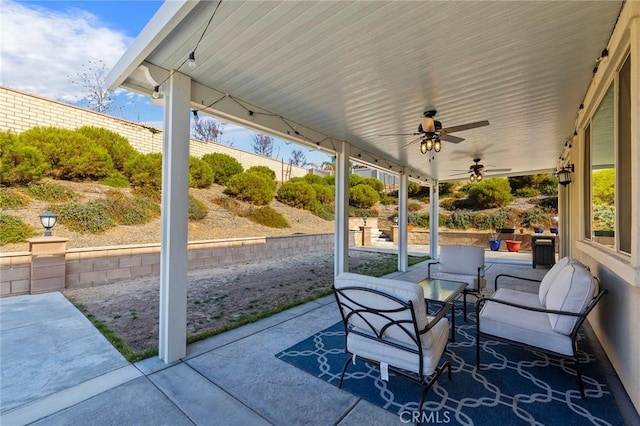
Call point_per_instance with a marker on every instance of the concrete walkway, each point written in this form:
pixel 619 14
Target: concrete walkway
pixel 58 369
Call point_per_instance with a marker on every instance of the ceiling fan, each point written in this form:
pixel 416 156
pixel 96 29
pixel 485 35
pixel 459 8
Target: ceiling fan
pixel 477 171
pixel 432 133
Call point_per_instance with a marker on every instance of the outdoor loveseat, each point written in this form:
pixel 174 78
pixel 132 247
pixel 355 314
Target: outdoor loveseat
pixel 386 323
pixel 547 321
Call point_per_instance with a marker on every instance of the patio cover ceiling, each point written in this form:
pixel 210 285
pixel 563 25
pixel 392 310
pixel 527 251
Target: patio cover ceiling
pixel 317 72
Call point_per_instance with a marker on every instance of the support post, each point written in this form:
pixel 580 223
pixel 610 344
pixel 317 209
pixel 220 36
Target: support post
pixel 175 201
pixel 433 220
pixel 341 256
pixel 403 240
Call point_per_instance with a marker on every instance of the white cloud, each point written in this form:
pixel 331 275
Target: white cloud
pixel 41 49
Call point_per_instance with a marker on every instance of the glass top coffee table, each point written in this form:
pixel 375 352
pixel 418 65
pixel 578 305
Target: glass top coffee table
pixel 443 292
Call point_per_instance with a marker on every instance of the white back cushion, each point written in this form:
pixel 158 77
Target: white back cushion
pixel 550 277
pixel 465 260
pixel 402 290
pixel 571 291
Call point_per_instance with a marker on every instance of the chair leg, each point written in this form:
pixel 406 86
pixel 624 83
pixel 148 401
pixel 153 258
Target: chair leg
pixel 344 370
pixel 464 304
pixel 477 350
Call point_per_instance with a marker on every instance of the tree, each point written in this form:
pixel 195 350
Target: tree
pixel 206 129
pixel 298 158
pixel 263 144
pixel 91 78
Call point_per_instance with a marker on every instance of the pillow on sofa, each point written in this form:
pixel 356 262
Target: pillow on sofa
pixel 571 291
pixel 552 274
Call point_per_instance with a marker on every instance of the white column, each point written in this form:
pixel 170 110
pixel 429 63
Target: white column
pixel 175 202
pixel 433 220
pixel 341 255
pixel 403 238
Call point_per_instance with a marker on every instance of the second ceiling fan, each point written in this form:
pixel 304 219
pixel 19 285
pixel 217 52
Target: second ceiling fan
pixel 431 132
pixel 477 171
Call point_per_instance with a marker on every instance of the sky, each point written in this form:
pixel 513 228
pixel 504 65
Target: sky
pixel 44 45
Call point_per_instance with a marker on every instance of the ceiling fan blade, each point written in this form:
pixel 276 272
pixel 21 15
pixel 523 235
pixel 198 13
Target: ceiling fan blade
pixel 412 142
pixel 462 173
pixel 466 126
pixel 459 170
pixel 450 138
pixel 496 170
pixel 401 134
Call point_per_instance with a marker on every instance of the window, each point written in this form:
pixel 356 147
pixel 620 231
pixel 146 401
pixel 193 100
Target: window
pixel 608 166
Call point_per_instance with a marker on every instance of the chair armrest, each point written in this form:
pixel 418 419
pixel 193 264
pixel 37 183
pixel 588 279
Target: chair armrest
pixel 481 301
pixel 495 282
pixel 442 312
pixel 429 267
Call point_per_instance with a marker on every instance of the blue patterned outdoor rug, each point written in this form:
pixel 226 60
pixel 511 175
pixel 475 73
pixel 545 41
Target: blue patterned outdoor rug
pixel 513 386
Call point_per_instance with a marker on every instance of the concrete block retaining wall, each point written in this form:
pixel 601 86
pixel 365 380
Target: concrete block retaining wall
pixel 104 265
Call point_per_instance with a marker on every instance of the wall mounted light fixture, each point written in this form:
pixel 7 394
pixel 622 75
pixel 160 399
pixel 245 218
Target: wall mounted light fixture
pixel 564 175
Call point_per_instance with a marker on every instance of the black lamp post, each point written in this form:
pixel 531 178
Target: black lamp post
pixel 48 220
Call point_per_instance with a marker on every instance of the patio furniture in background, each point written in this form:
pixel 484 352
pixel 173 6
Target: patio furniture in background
pixel 460 263
pixel 385 322
pixel 543 248
pixel 547 321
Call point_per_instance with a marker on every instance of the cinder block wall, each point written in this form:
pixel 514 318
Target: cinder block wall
pixel 21 111
pixel 88 267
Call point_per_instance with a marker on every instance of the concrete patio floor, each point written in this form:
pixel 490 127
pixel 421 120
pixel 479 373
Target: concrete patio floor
pixel 58 369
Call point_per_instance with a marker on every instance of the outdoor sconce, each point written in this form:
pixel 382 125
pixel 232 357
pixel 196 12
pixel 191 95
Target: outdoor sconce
pixel 564 175
pixel 48 220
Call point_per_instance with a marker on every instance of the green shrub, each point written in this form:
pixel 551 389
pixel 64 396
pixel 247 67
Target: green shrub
pixel 533 217
pixel 149 192
pixel 355 180
pixel 387 200
pixel 418 219
pixel 363 196
pixel 490 193
pixel 329 180
pixel 315 180
pixel 264 170
pixel 267 216
pixel 12 199
pixel 197 209
pixel 446 188
pixel 374 183
pixel 481 221
pixel 603 187
pixel 413 188
pixel 549 203
pixel 223 166
pixel 200 173
pixel 71 155
pixel 115 180
pixel 20 163
pixel 255 188
pixel 130 210
pixel 459 219
pixel 526 192
pixel 145 170
pixel 90 217
pixel 325 194
pixel 547 184
pixel 116 145
pixel 448 204
pixel 14 230
pixel 51 192
pixel 297 194
pixel 604 218
pixel 323 211
pixel 502 218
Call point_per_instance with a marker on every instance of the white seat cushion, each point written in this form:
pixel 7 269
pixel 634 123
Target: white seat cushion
pixel 377 351
pixel 571 291
pixel 520 325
